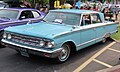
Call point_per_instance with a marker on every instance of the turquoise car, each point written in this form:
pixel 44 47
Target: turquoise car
pixel 60 33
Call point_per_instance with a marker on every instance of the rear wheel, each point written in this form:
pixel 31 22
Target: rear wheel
pixel 104 40
pixel 64 54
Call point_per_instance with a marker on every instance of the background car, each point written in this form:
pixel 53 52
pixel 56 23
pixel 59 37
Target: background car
pixel 17 16
pixel 22 16
pixel 3 5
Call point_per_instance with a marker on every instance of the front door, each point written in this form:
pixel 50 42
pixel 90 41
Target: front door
pixel 87 34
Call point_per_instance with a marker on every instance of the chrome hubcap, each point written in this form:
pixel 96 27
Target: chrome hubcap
pixel 64 53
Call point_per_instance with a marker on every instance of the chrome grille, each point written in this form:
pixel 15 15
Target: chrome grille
pixel 25 39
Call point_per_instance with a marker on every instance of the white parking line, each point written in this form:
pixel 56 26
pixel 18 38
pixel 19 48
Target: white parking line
pixel 93 57
pixel 114 50
pixel 100 62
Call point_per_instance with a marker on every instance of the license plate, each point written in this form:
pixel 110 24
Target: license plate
pixel 24 52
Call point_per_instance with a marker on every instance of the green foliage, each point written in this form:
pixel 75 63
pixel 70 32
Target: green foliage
pixel 117 35
pixel 44 2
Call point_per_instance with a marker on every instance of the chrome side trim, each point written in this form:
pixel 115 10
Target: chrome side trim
pixel 114 31
pixel 31 48
pixel 89 41
pixel 85 28
pixel 95 39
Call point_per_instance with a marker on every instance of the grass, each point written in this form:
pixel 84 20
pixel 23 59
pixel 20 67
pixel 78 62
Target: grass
pixel 117 35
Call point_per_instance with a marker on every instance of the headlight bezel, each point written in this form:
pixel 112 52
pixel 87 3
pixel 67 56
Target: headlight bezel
pixel 4 35
pixel 50 44
pixel 42 43
pixel 47 43
pixel 9 36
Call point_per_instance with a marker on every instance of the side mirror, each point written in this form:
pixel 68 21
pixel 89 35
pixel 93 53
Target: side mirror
pixel 74 27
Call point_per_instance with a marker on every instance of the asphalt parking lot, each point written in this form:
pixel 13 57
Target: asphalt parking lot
pixel 105 58
pixel 90 59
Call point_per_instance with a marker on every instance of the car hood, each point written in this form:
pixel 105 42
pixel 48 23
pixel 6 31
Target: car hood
pixel 4 20
pixel 42 29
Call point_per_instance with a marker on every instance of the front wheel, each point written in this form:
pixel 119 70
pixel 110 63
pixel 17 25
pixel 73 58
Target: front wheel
pixel 64 54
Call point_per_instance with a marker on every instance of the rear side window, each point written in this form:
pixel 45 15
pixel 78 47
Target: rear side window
pixel 95 18
pixel 35 14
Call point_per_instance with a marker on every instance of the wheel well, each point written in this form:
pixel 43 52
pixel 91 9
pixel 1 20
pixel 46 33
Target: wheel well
pixel 1 33
pixel 72 45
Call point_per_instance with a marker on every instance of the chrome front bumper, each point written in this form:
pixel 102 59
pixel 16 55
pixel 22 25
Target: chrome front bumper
pixel 52 53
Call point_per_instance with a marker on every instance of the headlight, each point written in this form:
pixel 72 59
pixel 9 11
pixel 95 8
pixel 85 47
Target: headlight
pixel 50 44
pixel 5 35
pixel 42 43
pixel 46 44
pixel 9 36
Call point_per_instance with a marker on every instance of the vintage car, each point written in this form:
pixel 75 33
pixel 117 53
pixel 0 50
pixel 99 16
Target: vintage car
pixel 62 32
pixel 18 16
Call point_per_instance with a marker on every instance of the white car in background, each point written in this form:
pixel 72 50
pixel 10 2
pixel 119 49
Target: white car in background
pixel 3 5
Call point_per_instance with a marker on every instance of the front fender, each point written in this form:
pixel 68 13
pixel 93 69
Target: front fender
pixel 68 41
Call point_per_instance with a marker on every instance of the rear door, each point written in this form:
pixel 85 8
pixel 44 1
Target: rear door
pixel 99 27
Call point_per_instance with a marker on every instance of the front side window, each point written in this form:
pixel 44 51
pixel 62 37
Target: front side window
pixel 63 17
pixel 95 18
pixel 86 19
pixel 26 15
pixel 8 14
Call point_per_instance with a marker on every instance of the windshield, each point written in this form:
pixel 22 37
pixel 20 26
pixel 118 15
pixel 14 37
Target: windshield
pixel 62 17
pixel 9 14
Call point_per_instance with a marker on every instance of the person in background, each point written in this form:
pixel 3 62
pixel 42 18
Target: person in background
pixel 89 8
pixel 43 11
pixel 78 3
pixel 76 7
pixel 37 6
pixel 116 12
pixel 27 4
pixel 81 8
pixel 22 5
